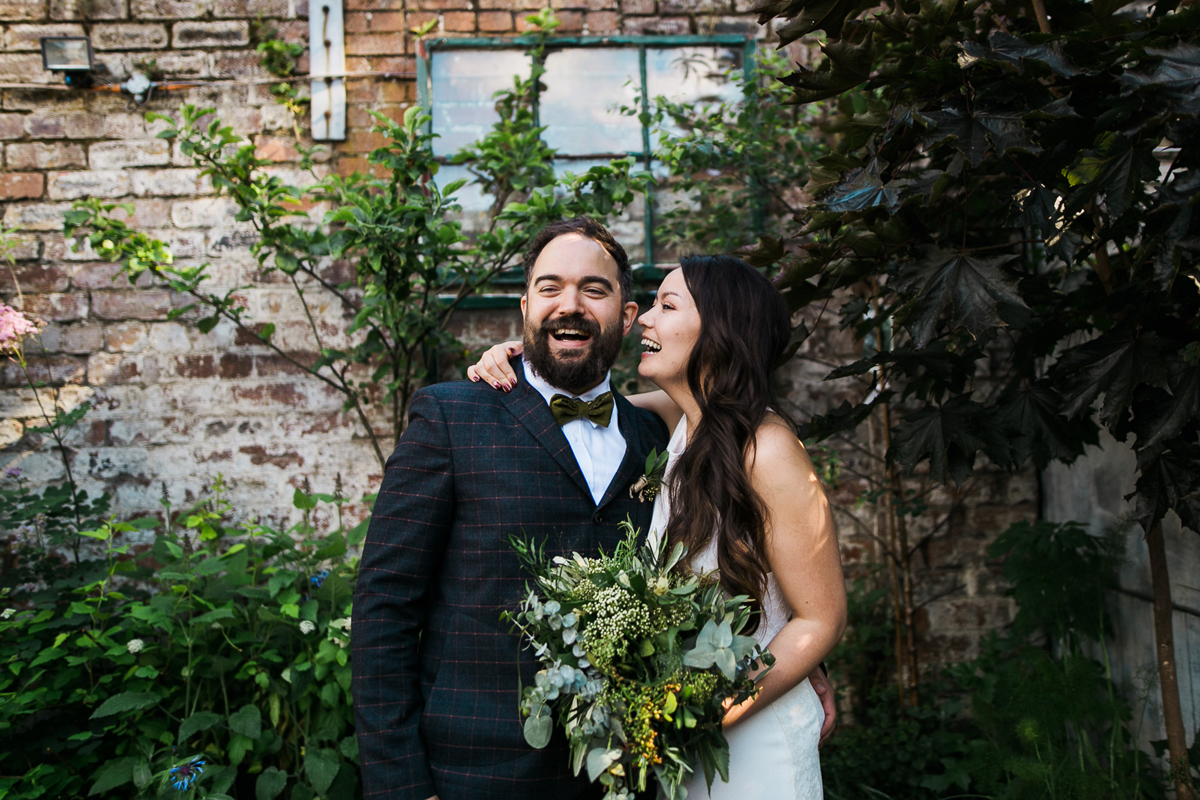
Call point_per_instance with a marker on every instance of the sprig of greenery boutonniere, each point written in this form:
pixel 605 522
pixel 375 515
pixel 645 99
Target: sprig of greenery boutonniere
pixel 650 484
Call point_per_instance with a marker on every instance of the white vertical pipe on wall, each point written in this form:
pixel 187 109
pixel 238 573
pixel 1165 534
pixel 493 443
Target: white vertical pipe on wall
pixel 327 55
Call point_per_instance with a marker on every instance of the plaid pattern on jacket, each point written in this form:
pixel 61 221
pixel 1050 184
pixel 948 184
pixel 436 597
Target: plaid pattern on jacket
pixel 435 670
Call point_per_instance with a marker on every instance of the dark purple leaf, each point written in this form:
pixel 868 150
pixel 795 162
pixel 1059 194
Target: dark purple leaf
pixel 975 290
pixel 1113 365
pixel 1175 72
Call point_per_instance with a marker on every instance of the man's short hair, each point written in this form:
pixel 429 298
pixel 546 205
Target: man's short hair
pixel 591 229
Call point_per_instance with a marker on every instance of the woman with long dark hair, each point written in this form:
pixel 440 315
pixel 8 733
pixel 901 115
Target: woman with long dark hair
pixel 742 494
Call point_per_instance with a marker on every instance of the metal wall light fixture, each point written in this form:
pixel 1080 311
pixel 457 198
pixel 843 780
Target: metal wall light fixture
pixel 70 55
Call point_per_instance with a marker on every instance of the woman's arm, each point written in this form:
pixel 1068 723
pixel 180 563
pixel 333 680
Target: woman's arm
pixel 493 368
pixel 803 554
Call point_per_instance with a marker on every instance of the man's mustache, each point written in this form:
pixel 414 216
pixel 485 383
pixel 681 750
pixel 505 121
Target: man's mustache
pixel 575 322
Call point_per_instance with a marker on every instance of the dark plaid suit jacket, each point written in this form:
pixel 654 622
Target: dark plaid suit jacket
pixel 436 672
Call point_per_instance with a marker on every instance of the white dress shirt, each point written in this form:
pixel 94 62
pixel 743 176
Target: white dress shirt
pixel 598 450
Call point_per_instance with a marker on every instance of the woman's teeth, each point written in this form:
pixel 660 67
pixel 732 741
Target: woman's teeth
pixel 652 347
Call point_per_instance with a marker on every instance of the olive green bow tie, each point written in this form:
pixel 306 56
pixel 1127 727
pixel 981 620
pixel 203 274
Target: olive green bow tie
pixel 568 409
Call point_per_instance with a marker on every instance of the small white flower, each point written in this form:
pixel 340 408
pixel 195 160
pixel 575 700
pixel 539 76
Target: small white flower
pixel 343 623
pixel 135 645
pixel 8 612
pixel 216 626
pixel 306 626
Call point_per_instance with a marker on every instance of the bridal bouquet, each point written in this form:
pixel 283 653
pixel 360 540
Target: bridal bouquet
pixel 638 662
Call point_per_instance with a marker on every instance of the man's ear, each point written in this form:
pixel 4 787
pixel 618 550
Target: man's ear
pixel 629 313
pixel 525 301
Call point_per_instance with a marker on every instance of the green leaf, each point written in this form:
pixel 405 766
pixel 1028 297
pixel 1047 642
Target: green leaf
pixel 1169 481
pixel 600 759
pixel 321 767
pixel 1032 413
pixel 539 727
pixel 247 721
pixel 113 774
pixel 270 783
pixel 141 774
pixel 975 290
pixel 125 701
pixel 200 721
pixel 303 501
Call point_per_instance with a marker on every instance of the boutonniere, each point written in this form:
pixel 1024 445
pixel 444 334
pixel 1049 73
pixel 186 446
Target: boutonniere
pixel 649 485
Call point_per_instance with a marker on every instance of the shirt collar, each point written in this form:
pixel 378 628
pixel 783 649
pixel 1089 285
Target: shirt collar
pixel 547 391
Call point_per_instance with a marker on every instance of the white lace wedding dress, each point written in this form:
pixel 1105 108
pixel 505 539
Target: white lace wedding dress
pixel 773 753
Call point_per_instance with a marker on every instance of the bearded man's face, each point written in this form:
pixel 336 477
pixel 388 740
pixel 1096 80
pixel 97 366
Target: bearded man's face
pixel 574 315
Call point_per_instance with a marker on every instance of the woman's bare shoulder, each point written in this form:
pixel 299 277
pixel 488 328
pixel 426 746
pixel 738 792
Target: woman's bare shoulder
pixel 778 453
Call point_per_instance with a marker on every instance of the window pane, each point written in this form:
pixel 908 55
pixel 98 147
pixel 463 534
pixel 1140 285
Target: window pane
pixel 463 84
pixel 693 75
pixel 584 88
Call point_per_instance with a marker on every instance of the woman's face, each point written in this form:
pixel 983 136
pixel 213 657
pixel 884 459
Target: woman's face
pixel 669 333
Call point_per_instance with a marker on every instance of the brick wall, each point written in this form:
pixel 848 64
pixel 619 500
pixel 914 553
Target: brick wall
pixel 176 406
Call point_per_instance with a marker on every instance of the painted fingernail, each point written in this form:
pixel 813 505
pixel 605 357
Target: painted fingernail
pixel 496 384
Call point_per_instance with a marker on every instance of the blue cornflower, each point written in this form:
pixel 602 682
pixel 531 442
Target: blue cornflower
pixel 185 775
pixel 319 578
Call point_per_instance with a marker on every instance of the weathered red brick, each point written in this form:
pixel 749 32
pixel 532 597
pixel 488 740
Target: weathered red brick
pixel 259 456
pixel 34 276
pixel 601 22
pixel 495 21
pixel 374 5
pixel 589 5
pixel 511 5
pixel 443 5
pixel 126 337
pixel 637 7
pixel 380 21
pixel 57 306
pixel 375 44
pixel 131 304
pixel 459 21
pixel 61 369
pixel 20 185
pixel 37 155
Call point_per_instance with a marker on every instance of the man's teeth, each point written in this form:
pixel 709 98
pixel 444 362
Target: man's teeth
pixel 570 332
pixel 653 347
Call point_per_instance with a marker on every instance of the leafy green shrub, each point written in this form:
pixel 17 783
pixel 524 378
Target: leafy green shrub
pixel 1035 715
pixel 214 650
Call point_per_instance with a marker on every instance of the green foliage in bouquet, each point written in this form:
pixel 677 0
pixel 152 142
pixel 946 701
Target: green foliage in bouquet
pixel 639 659
pixel 191 658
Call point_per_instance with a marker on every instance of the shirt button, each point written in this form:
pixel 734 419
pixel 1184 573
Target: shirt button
pixel 597 518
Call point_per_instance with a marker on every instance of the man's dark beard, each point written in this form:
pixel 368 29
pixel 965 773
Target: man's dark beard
pixel 584 371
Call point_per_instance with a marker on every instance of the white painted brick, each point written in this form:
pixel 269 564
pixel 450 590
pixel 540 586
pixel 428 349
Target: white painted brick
pixel 35 216
pixel 116 155
pixel 205 212
pixel 10 432
pixel 169 9
pixel 28 37
pixel 105 184
pixel 170 182
pixel 16 10
pixel 228 33
pixel 38 155
pixel 24 68
pixel 129 36
pixel 88 9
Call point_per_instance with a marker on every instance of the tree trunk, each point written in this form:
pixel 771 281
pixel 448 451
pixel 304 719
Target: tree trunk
pixel 1164 638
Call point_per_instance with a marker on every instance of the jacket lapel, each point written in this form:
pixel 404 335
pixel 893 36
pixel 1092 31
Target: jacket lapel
pixel 529 407
pixel 634 462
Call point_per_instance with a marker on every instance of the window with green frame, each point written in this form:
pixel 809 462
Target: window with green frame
pixel 587 80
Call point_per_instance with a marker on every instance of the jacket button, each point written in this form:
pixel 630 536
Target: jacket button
pixel 597 518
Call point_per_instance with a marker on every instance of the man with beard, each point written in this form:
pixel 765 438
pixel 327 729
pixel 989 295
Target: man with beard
pixel 436 674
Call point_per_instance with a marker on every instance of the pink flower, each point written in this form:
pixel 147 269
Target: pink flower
pixel 14 326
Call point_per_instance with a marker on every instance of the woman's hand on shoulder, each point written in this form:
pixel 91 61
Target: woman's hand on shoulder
pixel 493 367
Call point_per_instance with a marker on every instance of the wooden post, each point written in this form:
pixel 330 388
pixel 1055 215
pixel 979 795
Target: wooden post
pixel 1164 637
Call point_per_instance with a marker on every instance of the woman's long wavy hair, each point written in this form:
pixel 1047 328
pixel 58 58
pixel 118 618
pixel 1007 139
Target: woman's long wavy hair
pixel 744 329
